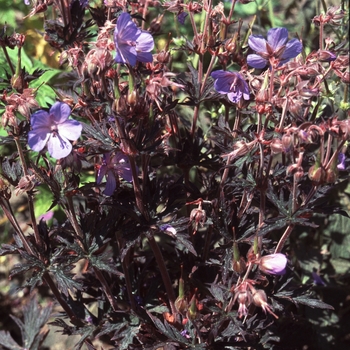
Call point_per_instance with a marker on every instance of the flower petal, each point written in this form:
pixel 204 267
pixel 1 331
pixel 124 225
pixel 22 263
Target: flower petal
pixel 126 54
pixel 60 112
pixel 126 29
pixel 40 119
pixel 38 138
pixel 101 173
pixel 70 129
pixel 144 57
pixel 277 37
pixel 58 146
pixel 257 43
pixel 293 49
pixel 234 96
pixel 223 81
pixel 111 183
pixel 145 42
pixel 256 61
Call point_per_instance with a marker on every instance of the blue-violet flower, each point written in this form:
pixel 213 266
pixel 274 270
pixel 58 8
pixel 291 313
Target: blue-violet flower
pixel 181 17
pixel 231 84
pixel 54 130
pixel 341 161
pixel 112 167
pixel 131 43
pixel 276 50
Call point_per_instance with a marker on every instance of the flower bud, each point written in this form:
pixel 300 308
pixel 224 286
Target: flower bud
pixel 287 142
pixel 198 216
pixel 25 184
pixel 181 302
pixel 231 45
pixel 132 98
pixel 273 264
pixel 317 175
pixel 326 56
pixel 238 264
pixel 331 175
pixel 163 57
pixel 156 24
pixel 192 311
pixel 260 300
pixel 334 15
pixel 276 146
pixel 5 191
pixel 244 299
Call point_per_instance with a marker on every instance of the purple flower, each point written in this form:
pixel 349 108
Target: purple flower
pixel 84 3
pixel 231 84
pixel 168 228
pixel 27 2
pixel 47 216
pixel 317 278
pixel 275 50
pixel 112 167
pixel 341 160
pixel 181 17
pixel 185 334
pixel 131 43
pixel 273 264
pixel 54 130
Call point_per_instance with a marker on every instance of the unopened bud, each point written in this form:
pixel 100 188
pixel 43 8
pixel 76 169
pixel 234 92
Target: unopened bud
pixel 260 300
pixel 331 175
pixel 5 191
pixel 163 57
pixel 156 24
pixel 25 184
pixel 334 15
pixel 238 264
pixel 231 45
pixel 276 146
pixel 317 175
pixel 273 264
pixel 287 142
pixel 192 311
pixel 198 216
pixel 179 303
pixel 326 56
pixel 132 98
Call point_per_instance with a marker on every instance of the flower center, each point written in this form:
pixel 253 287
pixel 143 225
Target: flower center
pixel 54 130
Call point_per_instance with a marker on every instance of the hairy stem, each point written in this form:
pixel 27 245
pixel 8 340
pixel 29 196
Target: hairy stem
pixel 106 288
pixel 29 195
pixel 284 238
pixel 164 272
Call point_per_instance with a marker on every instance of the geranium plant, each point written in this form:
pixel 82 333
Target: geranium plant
pixel 184 169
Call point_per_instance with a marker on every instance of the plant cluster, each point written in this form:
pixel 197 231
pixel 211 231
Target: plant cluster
pixel 182 151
